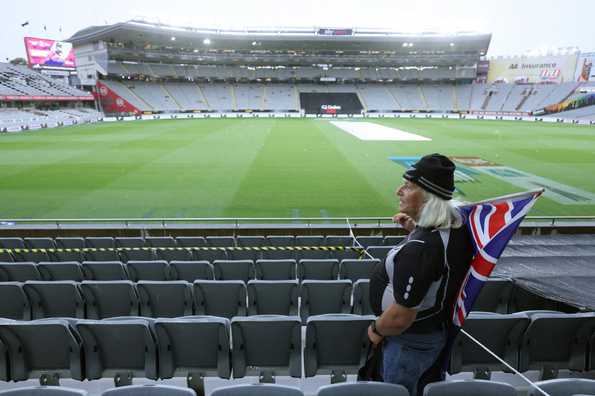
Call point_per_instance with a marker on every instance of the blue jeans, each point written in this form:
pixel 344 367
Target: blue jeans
pixel 408 356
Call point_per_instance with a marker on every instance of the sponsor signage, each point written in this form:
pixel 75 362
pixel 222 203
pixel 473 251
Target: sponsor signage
pixel 49 53
pixel 585 70
pixel 534 69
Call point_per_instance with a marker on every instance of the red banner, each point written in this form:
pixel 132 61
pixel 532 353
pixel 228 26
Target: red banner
pixel 112 102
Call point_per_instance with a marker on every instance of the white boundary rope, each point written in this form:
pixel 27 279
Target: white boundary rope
pixel 356 242
pixel 504 363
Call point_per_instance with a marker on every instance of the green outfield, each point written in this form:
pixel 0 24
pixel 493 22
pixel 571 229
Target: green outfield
pixel 280 167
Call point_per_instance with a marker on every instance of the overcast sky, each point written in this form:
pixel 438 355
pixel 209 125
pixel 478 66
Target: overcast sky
pixel 516 25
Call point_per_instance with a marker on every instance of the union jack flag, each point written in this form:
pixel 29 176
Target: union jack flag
pixel 492 224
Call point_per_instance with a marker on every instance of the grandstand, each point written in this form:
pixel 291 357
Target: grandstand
pixel 210 306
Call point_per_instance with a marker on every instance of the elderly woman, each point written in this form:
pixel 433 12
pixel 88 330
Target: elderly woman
pixel 414 292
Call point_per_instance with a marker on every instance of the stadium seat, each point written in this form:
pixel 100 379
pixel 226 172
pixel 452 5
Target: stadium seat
pixel 366 241
pixel 104 270
pixel 323 297
pixel 556 341
pixel 336 345
pixel 14 303
pixel 55 299
pixel 161 241
pixel 47 349
pixel 4 361
pixel 324 269
pixel 106 246
pixel 191 241
pixel 39 243
pixel 362 389
pixel 273 297
pixel 339 240
pixel 43 391
pixel 279 241
pixel 19 272
pixel 393 240
pixel 18 243
pixel 109 299
pixel 524 300
pixel 194 347
pixel 257 390
pixel 361 298
pixel 118 349
pixel 591 366
pixel 12 243
pixel 61 271
pixel 355 270
pixel 494 296
pixel 190 271
pixel 469 387
pixel 210 254
pixel 234 270
pixel 251 241
pixel 134 249
pixel 220 241
pixel 275 269
pixel 156 270
pixel 266 345
pixel 302 242
pixel 75 246
pixel 167 249
pixel 149 390
pixel 220 298
pixel 167 299
pixel 565 387
pixel 501 333
pixel 379 252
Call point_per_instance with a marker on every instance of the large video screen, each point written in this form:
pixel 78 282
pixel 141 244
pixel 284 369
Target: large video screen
pixel 49 53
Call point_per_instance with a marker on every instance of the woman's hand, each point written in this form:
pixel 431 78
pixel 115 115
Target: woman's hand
pixel 374 338
pixel 405 221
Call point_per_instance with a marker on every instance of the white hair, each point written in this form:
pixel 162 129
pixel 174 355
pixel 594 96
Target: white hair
pixel 439 213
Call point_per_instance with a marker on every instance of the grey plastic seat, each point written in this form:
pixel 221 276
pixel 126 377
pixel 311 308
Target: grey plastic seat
pixel 556 341
pixel 44 391
pixel 366 241
pixel 349 251
pixel 273 297
pixel 109 299
pixel 522 300
pixel 281 240
pixel 336 345
pixel 234 270
pixel 251 241
pixel 19 272
pixel 167 299
pixel 167 249
pixel 323 297
pixel 565 387
pixel 18 243
pixel 220 298
pixel 149 390
pixel 379 252
pixel 363 388
pixel 220 241
pixel 191 241
pixel 4 363
pixel 57 299
pixel 14 303
pixel 324 269
pixel 339 240
pixel 361 298
pixel 494 296
pixel 156 270
pixel 591 365
pixel 275 269
pixel 257 390
pixel 501 333
pixel 61 271
pixel 266 345
pixel 119 349
pixel 104 270
pixel 106 249
pixel 194 347
pixel 133 249
pixel 71 249
pixel 393 240
pixel 42 349
pixel 190 271
pixel 210 254
pixel 469 387
pixel 38 243
pixel 304 242
pixel 275 249
pixel 355 270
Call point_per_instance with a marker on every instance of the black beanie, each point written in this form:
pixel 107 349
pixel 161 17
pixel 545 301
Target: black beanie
pixel 434 173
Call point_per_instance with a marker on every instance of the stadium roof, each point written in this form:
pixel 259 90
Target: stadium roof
pixel 451 48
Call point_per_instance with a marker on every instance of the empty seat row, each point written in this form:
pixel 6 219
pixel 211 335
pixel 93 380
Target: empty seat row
pixel 161 270
pixel 193 347
pixel 533 340
pixel 104 299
